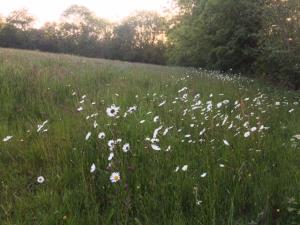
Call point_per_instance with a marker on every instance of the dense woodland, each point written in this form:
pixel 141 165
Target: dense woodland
pixel 259 38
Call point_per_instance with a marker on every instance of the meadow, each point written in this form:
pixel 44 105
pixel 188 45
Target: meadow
pixel 91 141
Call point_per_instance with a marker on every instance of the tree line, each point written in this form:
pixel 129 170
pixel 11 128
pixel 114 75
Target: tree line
pixel 140 37
pixel 257 38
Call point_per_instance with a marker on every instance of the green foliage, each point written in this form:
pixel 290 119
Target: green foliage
pixel 258 37
pixel 280 43
pixel 218 34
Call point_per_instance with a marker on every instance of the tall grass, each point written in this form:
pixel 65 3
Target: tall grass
pixel 253 180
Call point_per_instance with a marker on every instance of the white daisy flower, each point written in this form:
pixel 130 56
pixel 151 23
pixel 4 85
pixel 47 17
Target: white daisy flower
pixel 88 135
pixel 162 103
pixel 101 135
pixel 126 147
pixel 203 175
pixel 7 138
pixel 297 136
pixel 142 121
pixel 115 177
pixel 93 168
pixel 40 179
pixel 202 132
pixel 247 134
pixel 110 157
pixel 80 109
pixel 132 109
pixel 156 119
pixel 226 142
pixel 155 147
pixel 112 111
pixel 184 168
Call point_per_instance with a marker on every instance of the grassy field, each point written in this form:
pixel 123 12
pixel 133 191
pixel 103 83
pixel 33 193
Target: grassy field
pixel 202 148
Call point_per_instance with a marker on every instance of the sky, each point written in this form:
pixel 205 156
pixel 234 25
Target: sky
pixel 50 10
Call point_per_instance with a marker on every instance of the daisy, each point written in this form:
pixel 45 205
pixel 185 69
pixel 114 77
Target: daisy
pixel 203 175
pixel 101 135
pixel 40 179
pixel 226 142
pixel 155 147
pixel 184 168
pixel 247 134
pixel 112 111
pixel 88 135
pixel 132 109
pixel 115 177
pixel 126 147
pixel 80 109
pixel 297 136
pixel 110 157
pixel 93 168
pixel 156 119
pixel 7 138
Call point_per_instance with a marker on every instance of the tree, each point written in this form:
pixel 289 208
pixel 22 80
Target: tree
pixel 219 34
pixel 141 37
pixel 20 19
pixel 280 43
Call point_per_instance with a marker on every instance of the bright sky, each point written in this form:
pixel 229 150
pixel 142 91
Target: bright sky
pixel 50 10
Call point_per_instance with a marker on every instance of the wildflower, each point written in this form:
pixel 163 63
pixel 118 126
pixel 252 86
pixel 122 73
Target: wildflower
pixel 183 89
pixel 253 129
pixel 88 135
pixel 126 147
pixel 156 119
pixel 155 147
pixel 101 135
pixel 40 179
pixel 184 168
pixel 177 168
pixel 226 143
pixel 202 132
pixel 162 103
pixel 93 168
pixel 115 177
pixel 7 138
pixel 41 126
pixel 297 136
pixel 111 144
pixel 132 109
pixel 110 157
pixel 219 105
pixel 80 109
pixel 95 124
pixel 112 111
pixel 203 175
pixel 142 121
pixel 247 134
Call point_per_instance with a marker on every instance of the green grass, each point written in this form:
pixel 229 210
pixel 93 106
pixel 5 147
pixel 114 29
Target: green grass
pixel 259 183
